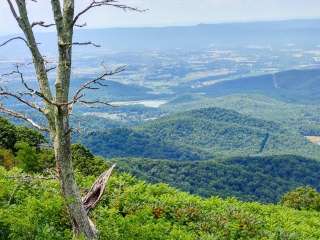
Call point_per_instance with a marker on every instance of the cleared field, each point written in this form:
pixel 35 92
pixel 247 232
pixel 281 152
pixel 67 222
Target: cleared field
pixel 314 139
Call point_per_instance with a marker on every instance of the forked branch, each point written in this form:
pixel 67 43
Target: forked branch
pixel 94 84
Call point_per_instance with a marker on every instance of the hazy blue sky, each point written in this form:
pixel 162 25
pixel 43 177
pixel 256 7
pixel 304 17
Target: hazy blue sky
pixel 177 12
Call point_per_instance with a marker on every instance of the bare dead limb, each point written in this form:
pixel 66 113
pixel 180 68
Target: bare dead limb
pixel 51 69
pixel 42 24
pixel 31 91
pixel 86 43
pixel 23 21
pixel 81 25
pixel 95 193
pixel 96 83
pixel 20 98
pixel 47 25
pixel 23 117
pixel 91 104
pixel 13 11
pixel 13 39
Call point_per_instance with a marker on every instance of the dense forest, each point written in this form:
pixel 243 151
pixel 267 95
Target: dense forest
pixel 263 179
pixel 302 118
pixel 199 134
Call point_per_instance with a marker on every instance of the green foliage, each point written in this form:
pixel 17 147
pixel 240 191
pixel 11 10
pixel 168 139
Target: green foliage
pixel 124 142
pixel 302 118
pixel 263 179
pixel 85 162
pixel 30 136
pixel 302 198
pixel 134 210
pixel 200 134
pixel 7 134
pixel 6 158
pixel 11 134
pixel 31 208
pixel 224 132
pixel 27 158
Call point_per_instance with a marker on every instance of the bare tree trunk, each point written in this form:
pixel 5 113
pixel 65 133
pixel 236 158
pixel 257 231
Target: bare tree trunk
pixel 57 107
pixel 70 191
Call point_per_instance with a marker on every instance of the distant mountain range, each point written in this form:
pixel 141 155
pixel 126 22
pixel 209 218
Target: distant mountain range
pixel 265 34
pixel 299 86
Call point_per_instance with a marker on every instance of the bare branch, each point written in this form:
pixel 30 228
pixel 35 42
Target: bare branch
pixel 31 90
pixel 95 84
pixel 81 25
pixel 13 11
pixel 23 117
pixel 22 19
pixel 86 43
pixel 92 104
pixel 51 69
pixel 47 25
pixel 42 24
pixel 112 3
pixel 20 98
pixel 13 39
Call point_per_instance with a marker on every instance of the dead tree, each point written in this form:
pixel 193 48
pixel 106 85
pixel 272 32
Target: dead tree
pixel 56 104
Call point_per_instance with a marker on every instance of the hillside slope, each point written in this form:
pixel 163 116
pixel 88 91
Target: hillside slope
pixel 263 179
pixel 300 86
pixel 303 118
pixel 200 134
pixel 224 132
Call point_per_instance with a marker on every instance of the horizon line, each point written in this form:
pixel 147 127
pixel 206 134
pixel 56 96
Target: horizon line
pixel 2 34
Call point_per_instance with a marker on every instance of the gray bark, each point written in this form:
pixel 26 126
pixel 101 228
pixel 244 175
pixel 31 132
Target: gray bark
pixel 56 108
pixel 62 145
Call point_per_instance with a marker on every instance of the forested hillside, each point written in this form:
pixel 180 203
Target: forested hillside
pixel 263 179
pixel 31 206
pixel 200 134
pixel 302 118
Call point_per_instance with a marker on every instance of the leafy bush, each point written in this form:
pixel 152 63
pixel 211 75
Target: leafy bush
pixel 7 134
pixel 302 198
pixel 32 208
pixel 6 158
pixel 85 162
pixel 11 134
pixel 27 158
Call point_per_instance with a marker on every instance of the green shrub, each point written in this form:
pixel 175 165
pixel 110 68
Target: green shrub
pixel 303 198
pixel 131 209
